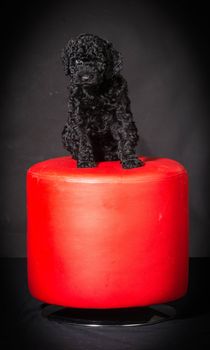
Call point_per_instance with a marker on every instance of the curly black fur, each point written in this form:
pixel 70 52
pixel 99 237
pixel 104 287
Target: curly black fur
pixel 100 125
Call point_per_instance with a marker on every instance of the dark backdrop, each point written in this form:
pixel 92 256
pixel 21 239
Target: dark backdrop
pixel 166 64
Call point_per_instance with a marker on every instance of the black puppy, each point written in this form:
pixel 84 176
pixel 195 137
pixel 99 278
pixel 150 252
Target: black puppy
pixel 100 125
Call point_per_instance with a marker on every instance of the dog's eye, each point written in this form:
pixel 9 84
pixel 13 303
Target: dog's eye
pixel 101 65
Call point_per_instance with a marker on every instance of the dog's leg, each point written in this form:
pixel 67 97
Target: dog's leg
pixel 79 146
pixel 126 137
pixel 85 152
pixel 75 137
pixel 126 134
pixel 127 154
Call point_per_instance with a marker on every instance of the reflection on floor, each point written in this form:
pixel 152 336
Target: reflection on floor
pixel 24 325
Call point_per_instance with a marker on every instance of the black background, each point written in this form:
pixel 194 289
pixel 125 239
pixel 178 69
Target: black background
pixel 165 46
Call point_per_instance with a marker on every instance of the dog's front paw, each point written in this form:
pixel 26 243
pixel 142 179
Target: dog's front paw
pixel 86 164
pixel 132 163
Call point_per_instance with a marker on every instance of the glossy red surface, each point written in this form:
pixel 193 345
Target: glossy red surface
pixel 107 237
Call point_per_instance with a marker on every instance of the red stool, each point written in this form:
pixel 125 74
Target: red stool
pixel 107 237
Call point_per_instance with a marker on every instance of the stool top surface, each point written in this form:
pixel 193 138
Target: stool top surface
pixel 65 169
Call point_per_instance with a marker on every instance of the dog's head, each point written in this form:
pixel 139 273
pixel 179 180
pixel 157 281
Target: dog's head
pixel 88 60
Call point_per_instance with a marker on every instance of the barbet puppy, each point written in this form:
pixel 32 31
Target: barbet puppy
pixel 100 125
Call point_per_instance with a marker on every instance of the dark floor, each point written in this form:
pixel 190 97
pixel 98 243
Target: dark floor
pixel 23 324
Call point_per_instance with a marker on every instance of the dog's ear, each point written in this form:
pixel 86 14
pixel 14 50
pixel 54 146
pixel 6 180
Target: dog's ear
pixel 65 55
pixel 115 61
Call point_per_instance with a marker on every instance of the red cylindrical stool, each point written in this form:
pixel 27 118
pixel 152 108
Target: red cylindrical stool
pixel 107 237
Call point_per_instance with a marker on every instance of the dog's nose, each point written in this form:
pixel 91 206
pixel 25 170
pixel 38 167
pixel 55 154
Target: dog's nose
pixel 85 77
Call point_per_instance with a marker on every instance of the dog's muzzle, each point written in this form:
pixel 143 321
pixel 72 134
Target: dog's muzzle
pixel 86 75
